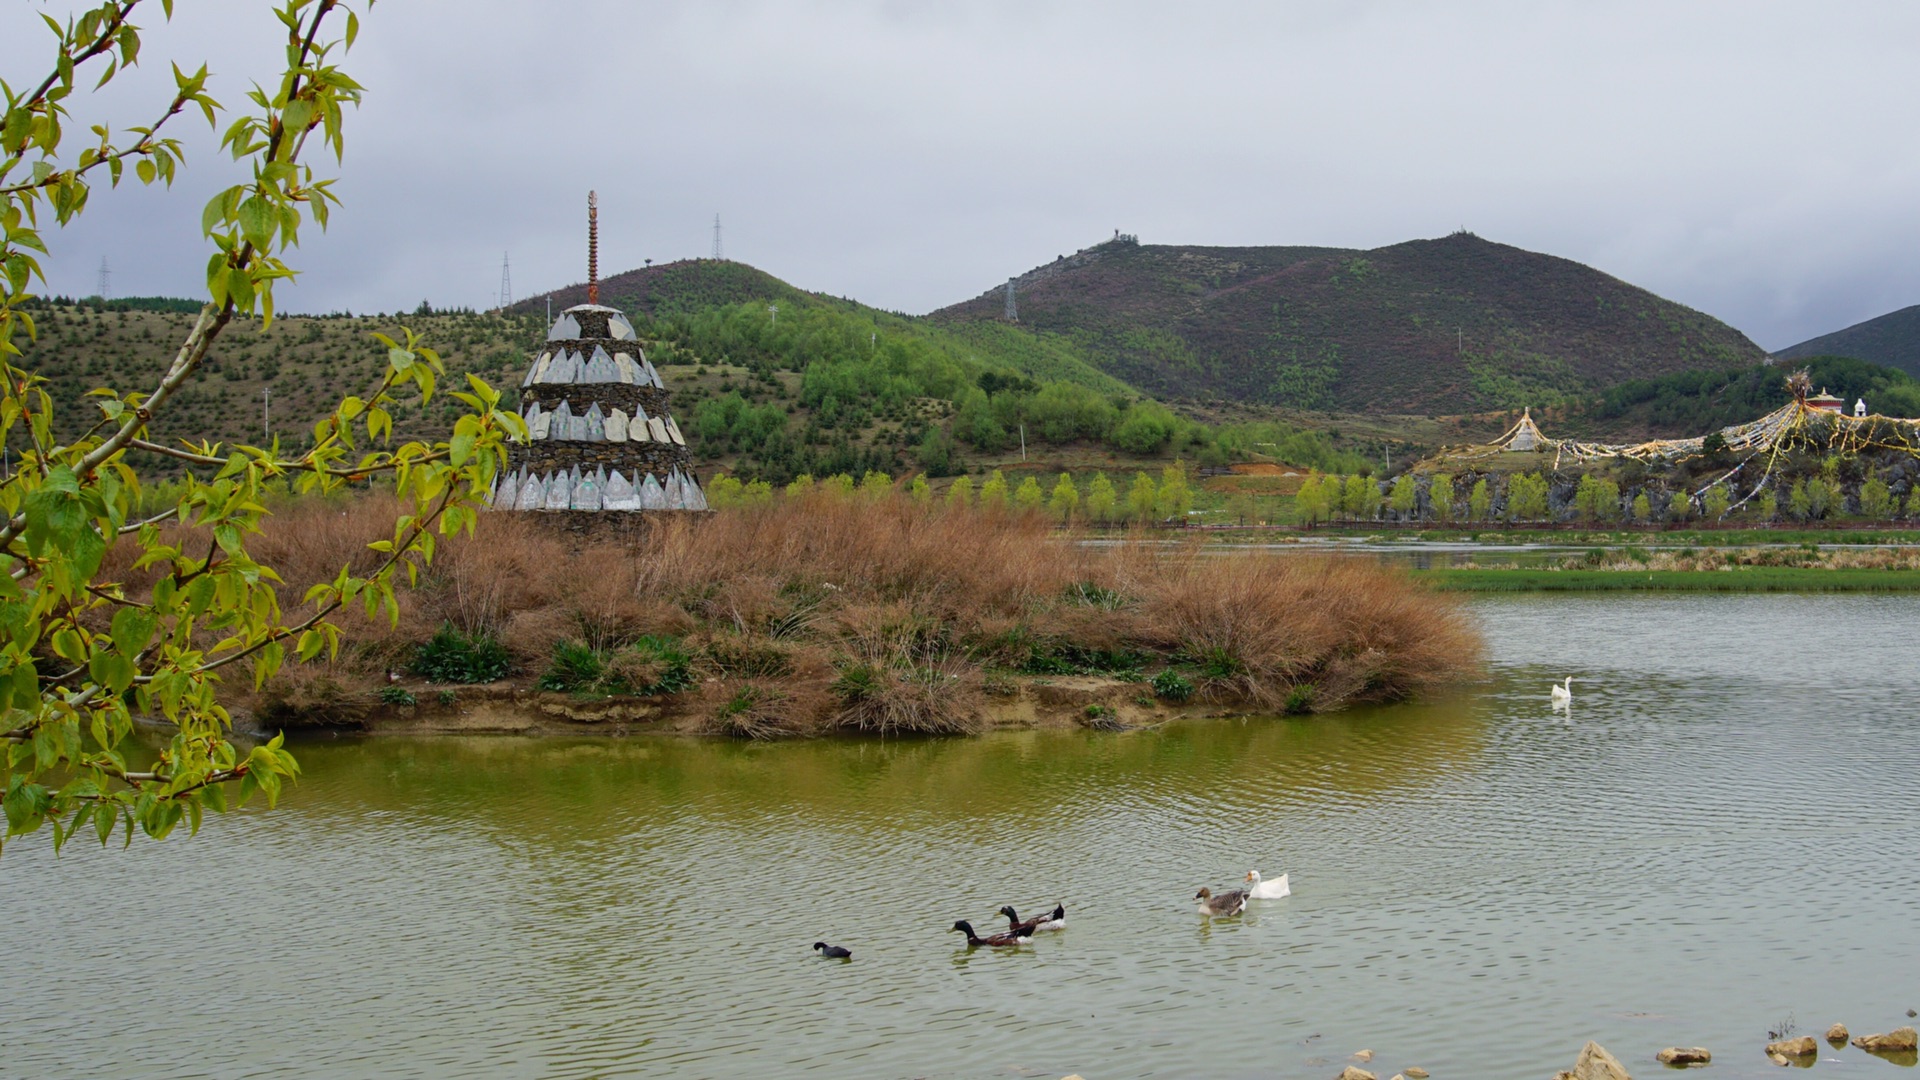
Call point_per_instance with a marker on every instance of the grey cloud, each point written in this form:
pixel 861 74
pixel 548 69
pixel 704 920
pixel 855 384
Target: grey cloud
pixel 1749 159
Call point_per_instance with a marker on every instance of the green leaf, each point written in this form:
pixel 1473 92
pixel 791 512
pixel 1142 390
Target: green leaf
pixel 25 804
pixel 257 222
pixel 133 628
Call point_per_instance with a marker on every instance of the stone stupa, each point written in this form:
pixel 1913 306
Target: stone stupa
pixel 600 436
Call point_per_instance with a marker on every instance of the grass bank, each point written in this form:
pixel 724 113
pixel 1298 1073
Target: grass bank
pixel 1753 579
pixel 833 612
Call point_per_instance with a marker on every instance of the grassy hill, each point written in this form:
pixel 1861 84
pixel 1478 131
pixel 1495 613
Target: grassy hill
pixel 1453 325
pixel 768 381
pixel 1892 340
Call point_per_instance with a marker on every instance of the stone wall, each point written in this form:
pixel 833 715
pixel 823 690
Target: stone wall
pixel 631 458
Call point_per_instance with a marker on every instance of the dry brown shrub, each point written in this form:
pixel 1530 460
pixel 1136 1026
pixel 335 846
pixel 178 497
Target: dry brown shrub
pixel 1261 625
pixel 762 709
pixel 929 696
pixel 829 583
pixel 312 695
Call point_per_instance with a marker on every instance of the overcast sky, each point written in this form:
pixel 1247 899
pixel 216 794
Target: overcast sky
pixel 1757 161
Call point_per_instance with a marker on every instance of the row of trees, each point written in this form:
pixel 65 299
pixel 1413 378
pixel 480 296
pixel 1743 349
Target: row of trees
pixel 1596 499
pixel 1102 502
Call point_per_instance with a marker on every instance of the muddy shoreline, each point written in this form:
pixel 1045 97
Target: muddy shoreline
pixel 509 708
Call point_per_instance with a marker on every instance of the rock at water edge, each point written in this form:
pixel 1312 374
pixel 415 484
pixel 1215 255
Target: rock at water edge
pixel 1891 1043
pixel 1596 1064
pixel 1363 1055
pixel 1793 1048
pixel 1416 1073
pixel 1837 1034
pixel 1352 1073
pixel 1683 1055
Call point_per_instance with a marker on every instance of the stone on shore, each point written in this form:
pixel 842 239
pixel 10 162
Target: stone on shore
pixel 1595 1063
pixel 1352 1073
pixel 1417 1073
pixel 1364 1055
pixel 1892 1042
pixel 1684 1055
pixel 1837 1034
pixel 1794 1048
pixel 1777 1058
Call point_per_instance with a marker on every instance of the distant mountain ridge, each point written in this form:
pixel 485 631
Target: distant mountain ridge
pixel 1457 324
pixel 1891 340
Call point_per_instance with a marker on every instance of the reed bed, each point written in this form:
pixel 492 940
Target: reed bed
pixel 834 612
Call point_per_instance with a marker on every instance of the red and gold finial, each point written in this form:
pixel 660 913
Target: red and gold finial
pixel 593 247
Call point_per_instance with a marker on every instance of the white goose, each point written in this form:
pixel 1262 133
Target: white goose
pixel 1563 695
pixel 1266 890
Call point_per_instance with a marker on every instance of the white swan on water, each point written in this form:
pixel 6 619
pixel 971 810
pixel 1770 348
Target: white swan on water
pixel 1563 695
pixel 1267 890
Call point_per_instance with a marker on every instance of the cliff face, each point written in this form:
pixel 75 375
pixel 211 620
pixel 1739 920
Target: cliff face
pixel 1451 325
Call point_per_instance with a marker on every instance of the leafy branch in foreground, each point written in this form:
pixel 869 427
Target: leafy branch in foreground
pixel 81 655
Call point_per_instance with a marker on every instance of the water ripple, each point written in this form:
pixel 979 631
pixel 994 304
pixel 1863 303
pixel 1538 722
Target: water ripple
pixel 1725 832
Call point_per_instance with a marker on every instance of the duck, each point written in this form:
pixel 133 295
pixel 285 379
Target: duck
pixel 1231 902
pixel 1563 694
pixel 997 941
pixel 832 952
pixel 1266 890
pixel 1053 920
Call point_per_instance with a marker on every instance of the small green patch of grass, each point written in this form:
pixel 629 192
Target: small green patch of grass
pixel 1172 685
pixel 450 656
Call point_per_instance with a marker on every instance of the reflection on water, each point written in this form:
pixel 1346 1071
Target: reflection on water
pixel 1725 833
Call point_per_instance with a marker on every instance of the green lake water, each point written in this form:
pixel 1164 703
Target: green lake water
pixel 1724 836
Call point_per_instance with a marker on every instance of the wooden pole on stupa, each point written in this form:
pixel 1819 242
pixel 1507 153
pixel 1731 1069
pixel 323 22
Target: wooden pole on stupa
pixel 593 247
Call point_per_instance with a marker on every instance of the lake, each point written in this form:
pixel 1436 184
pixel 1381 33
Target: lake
pixel 1723 838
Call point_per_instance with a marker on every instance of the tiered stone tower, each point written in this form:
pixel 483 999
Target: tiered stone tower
pixel 600 435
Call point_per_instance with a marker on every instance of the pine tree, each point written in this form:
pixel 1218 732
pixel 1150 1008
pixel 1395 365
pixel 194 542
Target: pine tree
pixel 993 493
pixel 961 493
pixel 1065 498
pixel 1405 496
pixel 1100 498
pixel 1440 497
pixel 1175 497
pixel 1028 497
pixel 1480 501
pixel 1143 497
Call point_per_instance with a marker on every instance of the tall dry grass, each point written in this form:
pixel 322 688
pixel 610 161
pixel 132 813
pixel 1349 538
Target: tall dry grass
pixel 834 612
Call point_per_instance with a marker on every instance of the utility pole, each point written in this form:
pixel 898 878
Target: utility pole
pixel 1023 442
pixel 266 414
pixel 716 239
pixel 506 282
pixel 1013 309
pixel 106 277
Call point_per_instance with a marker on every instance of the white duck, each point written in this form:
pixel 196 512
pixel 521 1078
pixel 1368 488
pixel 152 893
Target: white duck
pixel 1266 890
pixel 1563 695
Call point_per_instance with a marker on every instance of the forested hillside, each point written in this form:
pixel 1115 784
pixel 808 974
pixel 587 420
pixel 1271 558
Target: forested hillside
pixel 1452 325
pixel 1696 402
pixel 768 381
pixel 1891 340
